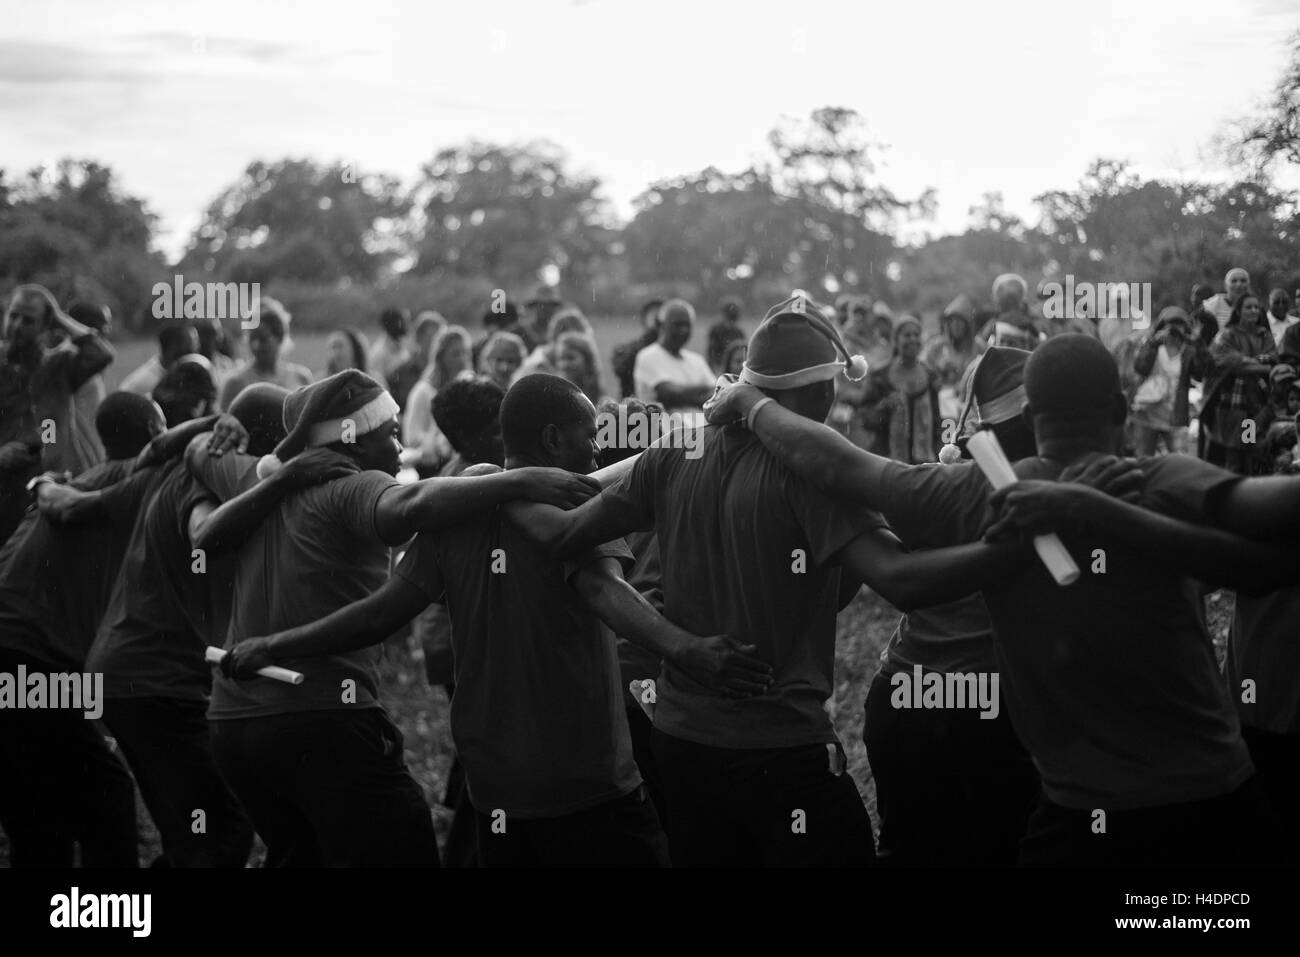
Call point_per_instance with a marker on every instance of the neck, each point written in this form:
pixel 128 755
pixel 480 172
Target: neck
pixel 1065 444
pixel 526 460
pixel 265 367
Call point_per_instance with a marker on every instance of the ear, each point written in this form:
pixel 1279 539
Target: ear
pixel 550 438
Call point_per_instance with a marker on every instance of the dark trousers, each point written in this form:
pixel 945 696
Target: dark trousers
pixel 639 728
pixel 60 786
pixel 1277 765
pixel 952 789
pixel 772 807
pixel 166 743
pixel 327 789
pixel 624 832
pixel 1233 830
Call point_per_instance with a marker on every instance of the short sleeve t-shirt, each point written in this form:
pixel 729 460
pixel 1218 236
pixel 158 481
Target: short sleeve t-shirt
pixel 634 662
pixel 747 549
pixel 538 716
pixel 1111 682
pixel 57 579
pixel 165 610
pixel 317 552
pixel 656 365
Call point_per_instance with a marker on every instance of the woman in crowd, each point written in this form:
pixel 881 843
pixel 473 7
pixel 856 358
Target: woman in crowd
pixel 545 357
pixel 576 359
pixel 268 341
pixel 501 358
pixel 951 351
pixel 448 358
pixel 901 403
pixel 1166 361
pixel 1236 391
pixel 347 350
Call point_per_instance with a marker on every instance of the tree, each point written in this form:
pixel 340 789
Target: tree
pixel 296 219
pixel 506 212
pixel 1260 141
pixel 70 228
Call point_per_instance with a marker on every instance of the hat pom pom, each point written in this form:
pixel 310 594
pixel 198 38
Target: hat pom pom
pixel 268 465
pixel 949 455
pixel 857 368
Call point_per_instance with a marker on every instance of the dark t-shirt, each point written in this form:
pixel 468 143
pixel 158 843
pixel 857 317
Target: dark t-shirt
pixel 317 552
pixel 57 579
pixel 162 614
pixel 747 549
pixel 635 662
pixel 1111 682
pixel 538 717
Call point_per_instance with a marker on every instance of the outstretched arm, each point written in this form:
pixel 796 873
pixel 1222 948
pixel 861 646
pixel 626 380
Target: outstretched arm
pixel 1267 508
pixel 1209 554
pixel 440 502
pixel 358 625
pixel 716 661
pixel 816 453
pixel 911 580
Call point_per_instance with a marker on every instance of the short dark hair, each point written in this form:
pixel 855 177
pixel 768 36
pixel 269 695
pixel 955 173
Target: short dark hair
pixel 465 408
pixel 393 321
pixel 182 388
pixel 173 336
pixel 534 402
pixel 122 421
pixel 260 409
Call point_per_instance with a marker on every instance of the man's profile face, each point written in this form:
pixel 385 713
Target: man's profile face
pixel 380 449
pixel 577 448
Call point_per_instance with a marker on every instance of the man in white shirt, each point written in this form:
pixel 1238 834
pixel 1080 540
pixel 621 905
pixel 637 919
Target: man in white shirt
pixel 1279 318
pixel 668 373
pixel 1235 284
pixel 175 339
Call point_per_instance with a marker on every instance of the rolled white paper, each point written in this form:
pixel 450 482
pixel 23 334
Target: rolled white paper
pixel 213 656
pixel 987 451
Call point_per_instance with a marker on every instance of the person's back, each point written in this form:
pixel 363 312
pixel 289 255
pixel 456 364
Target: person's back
pixel 747 541
pixel 317 552
pixel 536 674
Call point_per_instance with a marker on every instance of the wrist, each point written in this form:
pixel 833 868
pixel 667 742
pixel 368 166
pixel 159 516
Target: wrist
pixel 754 409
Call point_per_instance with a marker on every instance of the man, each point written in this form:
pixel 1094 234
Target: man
pixel 666 371
pixel 86 399
pixel 546 302
pixel 170 602
pixel 175 339
pixel 390 350
pixel 1073 660
pixel 724 332
pixel 61 782
pixel 624 356
pixel 319 767
pixel 749 549
pixel 1235 285
pixel 1013 327
pixel 64 355
pixel 1279 315
pixel 537 716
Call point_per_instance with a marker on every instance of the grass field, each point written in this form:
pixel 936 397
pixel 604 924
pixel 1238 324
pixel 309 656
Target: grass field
pixel 864 628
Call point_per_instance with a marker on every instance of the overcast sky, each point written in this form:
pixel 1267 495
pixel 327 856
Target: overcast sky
pixel 971 97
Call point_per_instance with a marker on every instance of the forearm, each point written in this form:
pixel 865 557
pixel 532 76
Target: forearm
pixel 819 455
pixel 238 518
pixel 937 576
pixel 438 503
pixel 352 627
pixel 68 506
pixel 1267 509
pixel 1209 554
pixel 174 441
pixel 629 615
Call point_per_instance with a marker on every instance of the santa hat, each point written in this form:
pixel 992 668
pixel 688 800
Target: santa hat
pixel 795 345
pixel 994 389
pixel 319 414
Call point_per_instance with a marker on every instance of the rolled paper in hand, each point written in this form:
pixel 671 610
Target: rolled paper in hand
pixel 987 452
pixel 213 656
